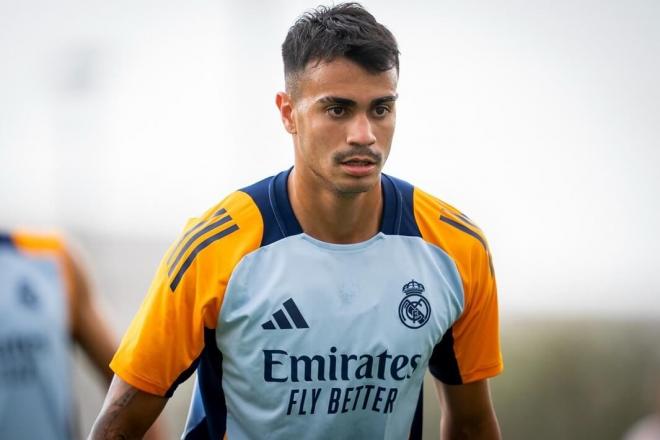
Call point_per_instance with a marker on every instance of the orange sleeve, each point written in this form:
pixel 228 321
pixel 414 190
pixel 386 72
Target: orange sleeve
pixel 470 350
pixel 166 337
pixel 476 332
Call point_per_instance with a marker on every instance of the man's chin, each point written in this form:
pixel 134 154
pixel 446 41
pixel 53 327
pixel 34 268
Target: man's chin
pixel 353 187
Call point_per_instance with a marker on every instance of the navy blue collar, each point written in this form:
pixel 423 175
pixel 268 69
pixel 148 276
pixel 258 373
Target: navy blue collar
pixel 278 195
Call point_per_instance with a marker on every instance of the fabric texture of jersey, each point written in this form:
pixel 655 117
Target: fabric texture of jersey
pixel 294 337
pixel 35 400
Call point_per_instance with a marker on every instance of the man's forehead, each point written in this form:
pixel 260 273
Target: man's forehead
pixel 344 78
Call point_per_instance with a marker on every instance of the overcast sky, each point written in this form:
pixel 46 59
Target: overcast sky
pixel 538 119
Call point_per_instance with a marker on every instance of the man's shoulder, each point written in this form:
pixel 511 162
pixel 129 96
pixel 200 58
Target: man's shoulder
pixel 216 240
pixel 237 213
pixel 425 205
pixel 441 223
pixel 243 211
pixel 242 207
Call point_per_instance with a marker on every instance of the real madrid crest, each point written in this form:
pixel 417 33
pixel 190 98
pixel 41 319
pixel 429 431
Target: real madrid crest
pixel 414 309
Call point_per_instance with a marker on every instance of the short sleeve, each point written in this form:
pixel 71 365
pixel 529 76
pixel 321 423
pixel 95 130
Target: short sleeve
pixel 470 349
pixel 166 335
pixel 166 338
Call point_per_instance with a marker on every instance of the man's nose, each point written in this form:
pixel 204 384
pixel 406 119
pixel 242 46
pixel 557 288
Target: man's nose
pixel 360 131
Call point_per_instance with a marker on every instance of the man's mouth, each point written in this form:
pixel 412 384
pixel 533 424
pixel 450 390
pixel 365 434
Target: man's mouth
pixel 358 162
pixel 359 166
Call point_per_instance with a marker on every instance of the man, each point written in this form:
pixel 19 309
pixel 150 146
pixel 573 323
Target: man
pixel 311 303
pixel 45 302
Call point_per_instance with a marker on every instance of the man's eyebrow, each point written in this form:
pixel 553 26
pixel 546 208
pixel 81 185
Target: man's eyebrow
pixel 384 99
pixel 328 100
pixel 337 100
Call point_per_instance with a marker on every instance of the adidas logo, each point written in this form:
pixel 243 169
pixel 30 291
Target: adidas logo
pixel 281 318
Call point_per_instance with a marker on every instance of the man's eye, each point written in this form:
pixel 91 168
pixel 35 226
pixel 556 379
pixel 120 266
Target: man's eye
pixel 337 111
pixel 381 110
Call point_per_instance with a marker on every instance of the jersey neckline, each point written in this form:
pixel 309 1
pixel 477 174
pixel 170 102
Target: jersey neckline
pixel 347 247
pixel 278 195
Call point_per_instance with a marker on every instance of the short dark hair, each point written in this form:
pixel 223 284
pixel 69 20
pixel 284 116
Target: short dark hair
pixel 345 30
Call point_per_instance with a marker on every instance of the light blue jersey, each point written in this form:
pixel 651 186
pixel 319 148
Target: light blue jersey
pixel 292 337
pixel 35 400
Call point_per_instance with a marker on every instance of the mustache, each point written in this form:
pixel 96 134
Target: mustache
pixel 342 156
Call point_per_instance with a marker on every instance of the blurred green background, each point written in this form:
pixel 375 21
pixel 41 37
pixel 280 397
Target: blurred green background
pixel 573 379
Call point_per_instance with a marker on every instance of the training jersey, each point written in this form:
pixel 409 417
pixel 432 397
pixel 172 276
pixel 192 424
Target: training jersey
pixel 35 385
pixel 292 337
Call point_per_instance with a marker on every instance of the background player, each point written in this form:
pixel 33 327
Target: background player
pixel 45 302
pixel 252 295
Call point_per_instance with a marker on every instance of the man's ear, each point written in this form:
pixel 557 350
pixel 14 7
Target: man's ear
pixel 285 106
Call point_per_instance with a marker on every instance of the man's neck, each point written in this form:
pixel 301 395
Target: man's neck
pixel 331 217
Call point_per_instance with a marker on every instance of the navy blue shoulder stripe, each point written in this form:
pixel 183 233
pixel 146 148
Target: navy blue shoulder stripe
pixel 190 231
pixel 200 247
pixel 466 219
pixel 462 227
pixel 191 240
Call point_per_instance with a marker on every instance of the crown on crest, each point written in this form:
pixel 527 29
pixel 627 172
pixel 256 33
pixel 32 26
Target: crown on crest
pixel 413 287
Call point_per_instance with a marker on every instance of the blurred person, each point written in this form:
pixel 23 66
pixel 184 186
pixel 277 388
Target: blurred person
pixel 311 303
pixel 45 302
pixel 648 428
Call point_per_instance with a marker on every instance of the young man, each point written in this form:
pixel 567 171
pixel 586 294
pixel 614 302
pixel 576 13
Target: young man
pixel 311 303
